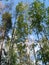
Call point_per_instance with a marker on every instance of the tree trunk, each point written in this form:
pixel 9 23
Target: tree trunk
pixel 35 56
pixel 0 55
pixel 1 52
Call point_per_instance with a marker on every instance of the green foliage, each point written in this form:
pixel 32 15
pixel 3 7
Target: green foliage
pixel 21 48
pixel 21 24
pixel 37 15
pixel 20 8
pixel 12 57
pixel 6 20
pixel 44 51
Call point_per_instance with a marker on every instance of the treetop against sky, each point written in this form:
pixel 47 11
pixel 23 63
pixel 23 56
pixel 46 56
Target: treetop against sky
pixel 15 2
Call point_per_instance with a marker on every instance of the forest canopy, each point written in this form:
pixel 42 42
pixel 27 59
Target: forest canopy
pixel 24 32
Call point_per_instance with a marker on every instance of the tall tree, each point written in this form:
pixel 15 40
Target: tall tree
pixel 21 27
pixel 38 19
pixel 6 26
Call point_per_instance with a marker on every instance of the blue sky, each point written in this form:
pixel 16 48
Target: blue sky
pixel 25 1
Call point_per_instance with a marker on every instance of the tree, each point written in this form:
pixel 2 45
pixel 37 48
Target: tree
pixel 6 26
pixel 21 30
pixel 6 21
pixel 38 20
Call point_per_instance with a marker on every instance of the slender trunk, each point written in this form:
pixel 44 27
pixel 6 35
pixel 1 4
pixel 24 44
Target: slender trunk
pixel 1 52
pixel 29 59
pixel 0 55
pixel 35 56
pixel 45 63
